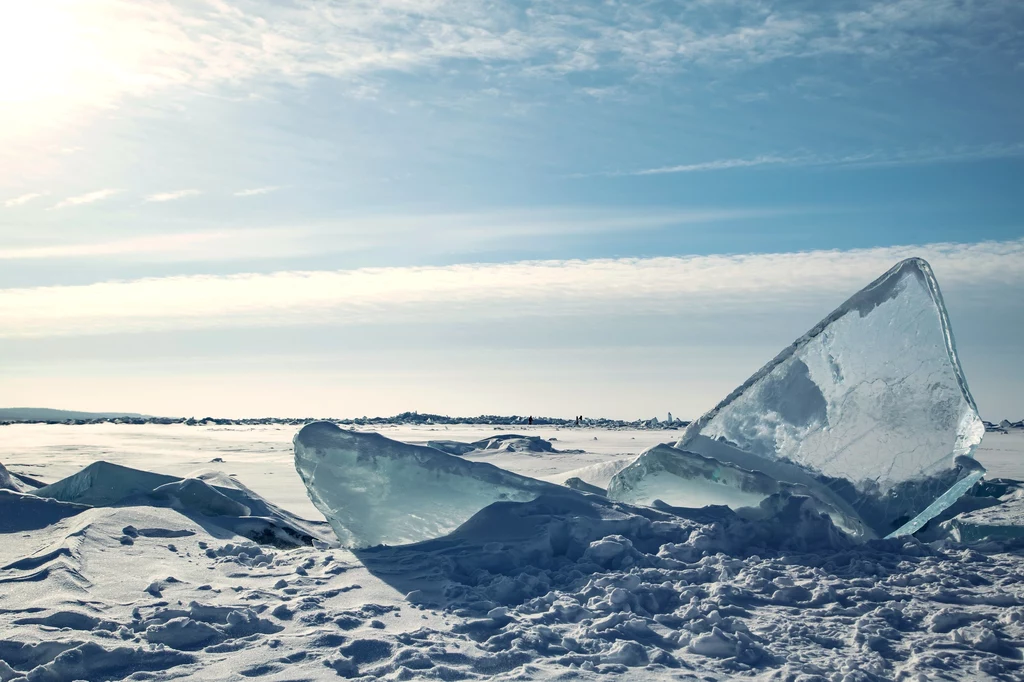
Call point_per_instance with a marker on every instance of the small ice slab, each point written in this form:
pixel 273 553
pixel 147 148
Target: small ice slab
pixel 1001 522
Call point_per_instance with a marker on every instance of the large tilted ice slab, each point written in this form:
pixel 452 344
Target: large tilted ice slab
pixel 870 407
pixel 374 490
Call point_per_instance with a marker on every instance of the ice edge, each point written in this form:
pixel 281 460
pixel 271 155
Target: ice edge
pixel 918 267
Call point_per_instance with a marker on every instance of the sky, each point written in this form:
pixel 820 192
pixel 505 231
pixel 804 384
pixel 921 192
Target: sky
pixel 246 208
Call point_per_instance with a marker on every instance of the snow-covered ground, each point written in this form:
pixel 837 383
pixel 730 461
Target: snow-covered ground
pixel 536 592
pixel 1003 454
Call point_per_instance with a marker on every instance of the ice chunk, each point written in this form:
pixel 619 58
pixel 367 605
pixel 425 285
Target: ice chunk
pixel 8 482
pixel 682 478
pixel 1002 522
pixel 374 490
pixel 197 495
pixel 870 408
pixel 219 499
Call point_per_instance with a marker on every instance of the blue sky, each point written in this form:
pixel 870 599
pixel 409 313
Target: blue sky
pixel 195 196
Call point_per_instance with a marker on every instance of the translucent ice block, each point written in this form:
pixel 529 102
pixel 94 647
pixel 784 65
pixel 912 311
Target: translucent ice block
pixel 374 490
pixel 870 408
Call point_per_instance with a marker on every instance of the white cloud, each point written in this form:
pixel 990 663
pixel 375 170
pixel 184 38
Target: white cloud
pixel 172 196
pixel 89 198
pixel 166 244
pixel 23 199
pixel 93 52
pixel 692 285
pixel 257 190
pixel 400 233
pixel 721 164
pixel 88 56
pixel 895 157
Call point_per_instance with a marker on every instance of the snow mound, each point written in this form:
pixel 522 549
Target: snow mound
pixel 548 549
pixel 212 496
pixel 375 490
pixel 452 447
pixel 90 661
pixel 197 495
pixel 1002 521
pixel 504 443
pixel 515 443
pixel 102 484
pixel 869 409
pixel 598 474
pixel 23 512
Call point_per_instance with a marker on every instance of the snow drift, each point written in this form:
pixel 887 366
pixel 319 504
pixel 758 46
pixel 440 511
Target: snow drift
pixel 217 499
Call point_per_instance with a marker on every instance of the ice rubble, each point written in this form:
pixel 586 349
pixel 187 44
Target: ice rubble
pixel 509 442
pixel 868 413
pixel 212 497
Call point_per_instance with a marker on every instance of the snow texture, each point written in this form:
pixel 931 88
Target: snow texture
pixel 565 586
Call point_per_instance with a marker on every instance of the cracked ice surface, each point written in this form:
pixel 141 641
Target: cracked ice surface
pixel 873 396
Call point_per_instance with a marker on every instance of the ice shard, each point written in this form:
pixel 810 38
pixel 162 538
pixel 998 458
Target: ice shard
pixel 870 408
pixel 374 490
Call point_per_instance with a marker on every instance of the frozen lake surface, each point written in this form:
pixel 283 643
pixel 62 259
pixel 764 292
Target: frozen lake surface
pixel 533 591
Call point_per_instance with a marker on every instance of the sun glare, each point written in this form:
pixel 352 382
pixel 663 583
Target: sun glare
pixel 62 60
pixel 40 50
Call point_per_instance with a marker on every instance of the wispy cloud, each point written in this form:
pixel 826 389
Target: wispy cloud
pixel 257 190
pixel 176 44
pixel 721 164
pixel 420 234
pixel 24 199
pixel 91 197
pixel 88 56
pixel 194 242
pixel 863 160
pixel 722 284
pixel 172 196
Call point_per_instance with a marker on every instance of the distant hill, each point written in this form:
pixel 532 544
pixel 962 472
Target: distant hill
pixel 38 414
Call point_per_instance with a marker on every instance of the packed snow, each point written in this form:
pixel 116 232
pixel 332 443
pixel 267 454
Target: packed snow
pixel 77 601
pixel 748 548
